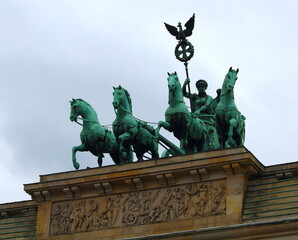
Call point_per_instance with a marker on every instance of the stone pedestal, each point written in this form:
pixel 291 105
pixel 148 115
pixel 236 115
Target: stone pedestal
pixel 162 196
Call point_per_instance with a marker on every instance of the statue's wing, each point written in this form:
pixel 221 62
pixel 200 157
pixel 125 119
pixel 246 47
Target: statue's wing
pixel 173 30
pixel 189 26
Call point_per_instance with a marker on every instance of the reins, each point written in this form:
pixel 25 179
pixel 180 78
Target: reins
pixel 87 120
pixel 155 123
pixel 109 125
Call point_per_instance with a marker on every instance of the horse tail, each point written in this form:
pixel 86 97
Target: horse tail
pixel 241 128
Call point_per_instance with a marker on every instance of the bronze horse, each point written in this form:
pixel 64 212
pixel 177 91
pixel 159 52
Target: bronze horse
pixel 94 137
pixel 130 132
pixel 191 131
pixel 230 122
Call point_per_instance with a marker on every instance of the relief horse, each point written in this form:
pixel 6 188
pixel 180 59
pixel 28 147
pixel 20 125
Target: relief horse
pixel 191 131
pixel 130 132
pixel 230 122
pixel 94 137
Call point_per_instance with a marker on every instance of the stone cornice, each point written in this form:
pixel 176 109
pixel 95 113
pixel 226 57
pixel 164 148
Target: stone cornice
pixel 135 176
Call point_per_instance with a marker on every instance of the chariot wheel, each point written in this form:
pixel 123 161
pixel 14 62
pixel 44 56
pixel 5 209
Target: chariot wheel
pixel 184 51
pixel 131 219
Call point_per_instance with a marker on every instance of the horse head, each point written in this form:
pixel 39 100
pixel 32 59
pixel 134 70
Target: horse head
pixel 121 98
pixel 79 107
pixel 116 96
pixel 174 86
pixel 75 109
pixel 172 81
pixel 230 80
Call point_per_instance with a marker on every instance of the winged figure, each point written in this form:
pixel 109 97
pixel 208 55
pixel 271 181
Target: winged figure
pixel 178 32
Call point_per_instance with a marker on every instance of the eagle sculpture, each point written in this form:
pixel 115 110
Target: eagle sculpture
pixel 179 33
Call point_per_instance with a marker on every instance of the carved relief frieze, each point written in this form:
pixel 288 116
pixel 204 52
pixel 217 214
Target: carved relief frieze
pixel 141 207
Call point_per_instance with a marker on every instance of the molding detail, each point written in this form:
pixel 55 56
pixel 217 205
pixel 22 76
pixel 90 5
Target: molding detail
pixel 40 196
pixel 228 169
pixel 199 174
pixel 166 179
pixel 237 169
pixel 170 178
pixel 47 195
pixel 285 175
pixel 107 187
pixel 99 188
pixel 195 175
pixel 204 173
pixel 103 188
pixel 161 180
pixel 188 201
pixel 68 192
pixel 76 191
pixel 138 183
pixel 4 215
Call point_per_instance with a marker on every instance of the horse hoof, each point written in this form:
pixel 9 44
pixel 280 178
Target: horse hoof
pixel 99 163
pixel 76 165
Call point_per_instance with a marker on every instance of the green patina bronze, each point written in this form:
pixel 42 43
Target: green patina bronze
pixel 201 101
pixel 184 50
pixel 230 122
pixel 203 107
pixel 130 132
pixel 94 137
pixel 211 124
pixel 191 131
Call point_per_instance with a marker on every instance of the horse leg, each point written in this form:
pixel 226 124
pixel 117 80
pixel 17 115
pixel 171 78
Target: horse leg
pixel 122 139
pixel 99 150
pixel 230 141
pixel 154 150
pixel 202 142
pixel 165 125
pixel 81 148
pixel 139 154
pixel 129 157
pixel 184 144
pixel 241 130
pixel 152 145
pixel 115 157
pixel 161 124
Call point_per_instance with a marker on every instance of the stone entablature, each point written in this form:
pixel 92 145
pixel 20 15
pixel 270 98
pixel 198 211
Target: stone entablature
pixel 206 195
pixel 145 175
pixel 141 207
pixel 185 192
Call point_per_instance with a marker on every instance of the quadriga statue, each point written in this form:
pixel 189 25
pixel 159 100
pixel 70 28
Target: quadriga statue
pixel 94 137
pixel 230 122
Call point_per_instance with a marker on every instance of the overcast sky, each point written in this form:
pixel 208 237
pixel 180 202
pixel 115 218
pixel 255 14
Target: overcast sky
pixel 54 50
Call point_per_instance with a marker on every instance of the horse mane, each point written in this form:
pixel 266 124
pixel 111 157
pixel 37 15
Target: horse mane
pixel 86 103
pixel 178 93
pixel 128 98
pixel 226 79
pixel 175 75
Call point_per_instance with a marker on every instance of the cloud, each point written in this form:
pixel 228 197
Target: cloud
pixel 53 51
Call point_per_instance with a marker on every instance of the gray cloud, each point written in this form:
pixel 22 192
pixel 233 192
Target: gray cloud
pixel 52 51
